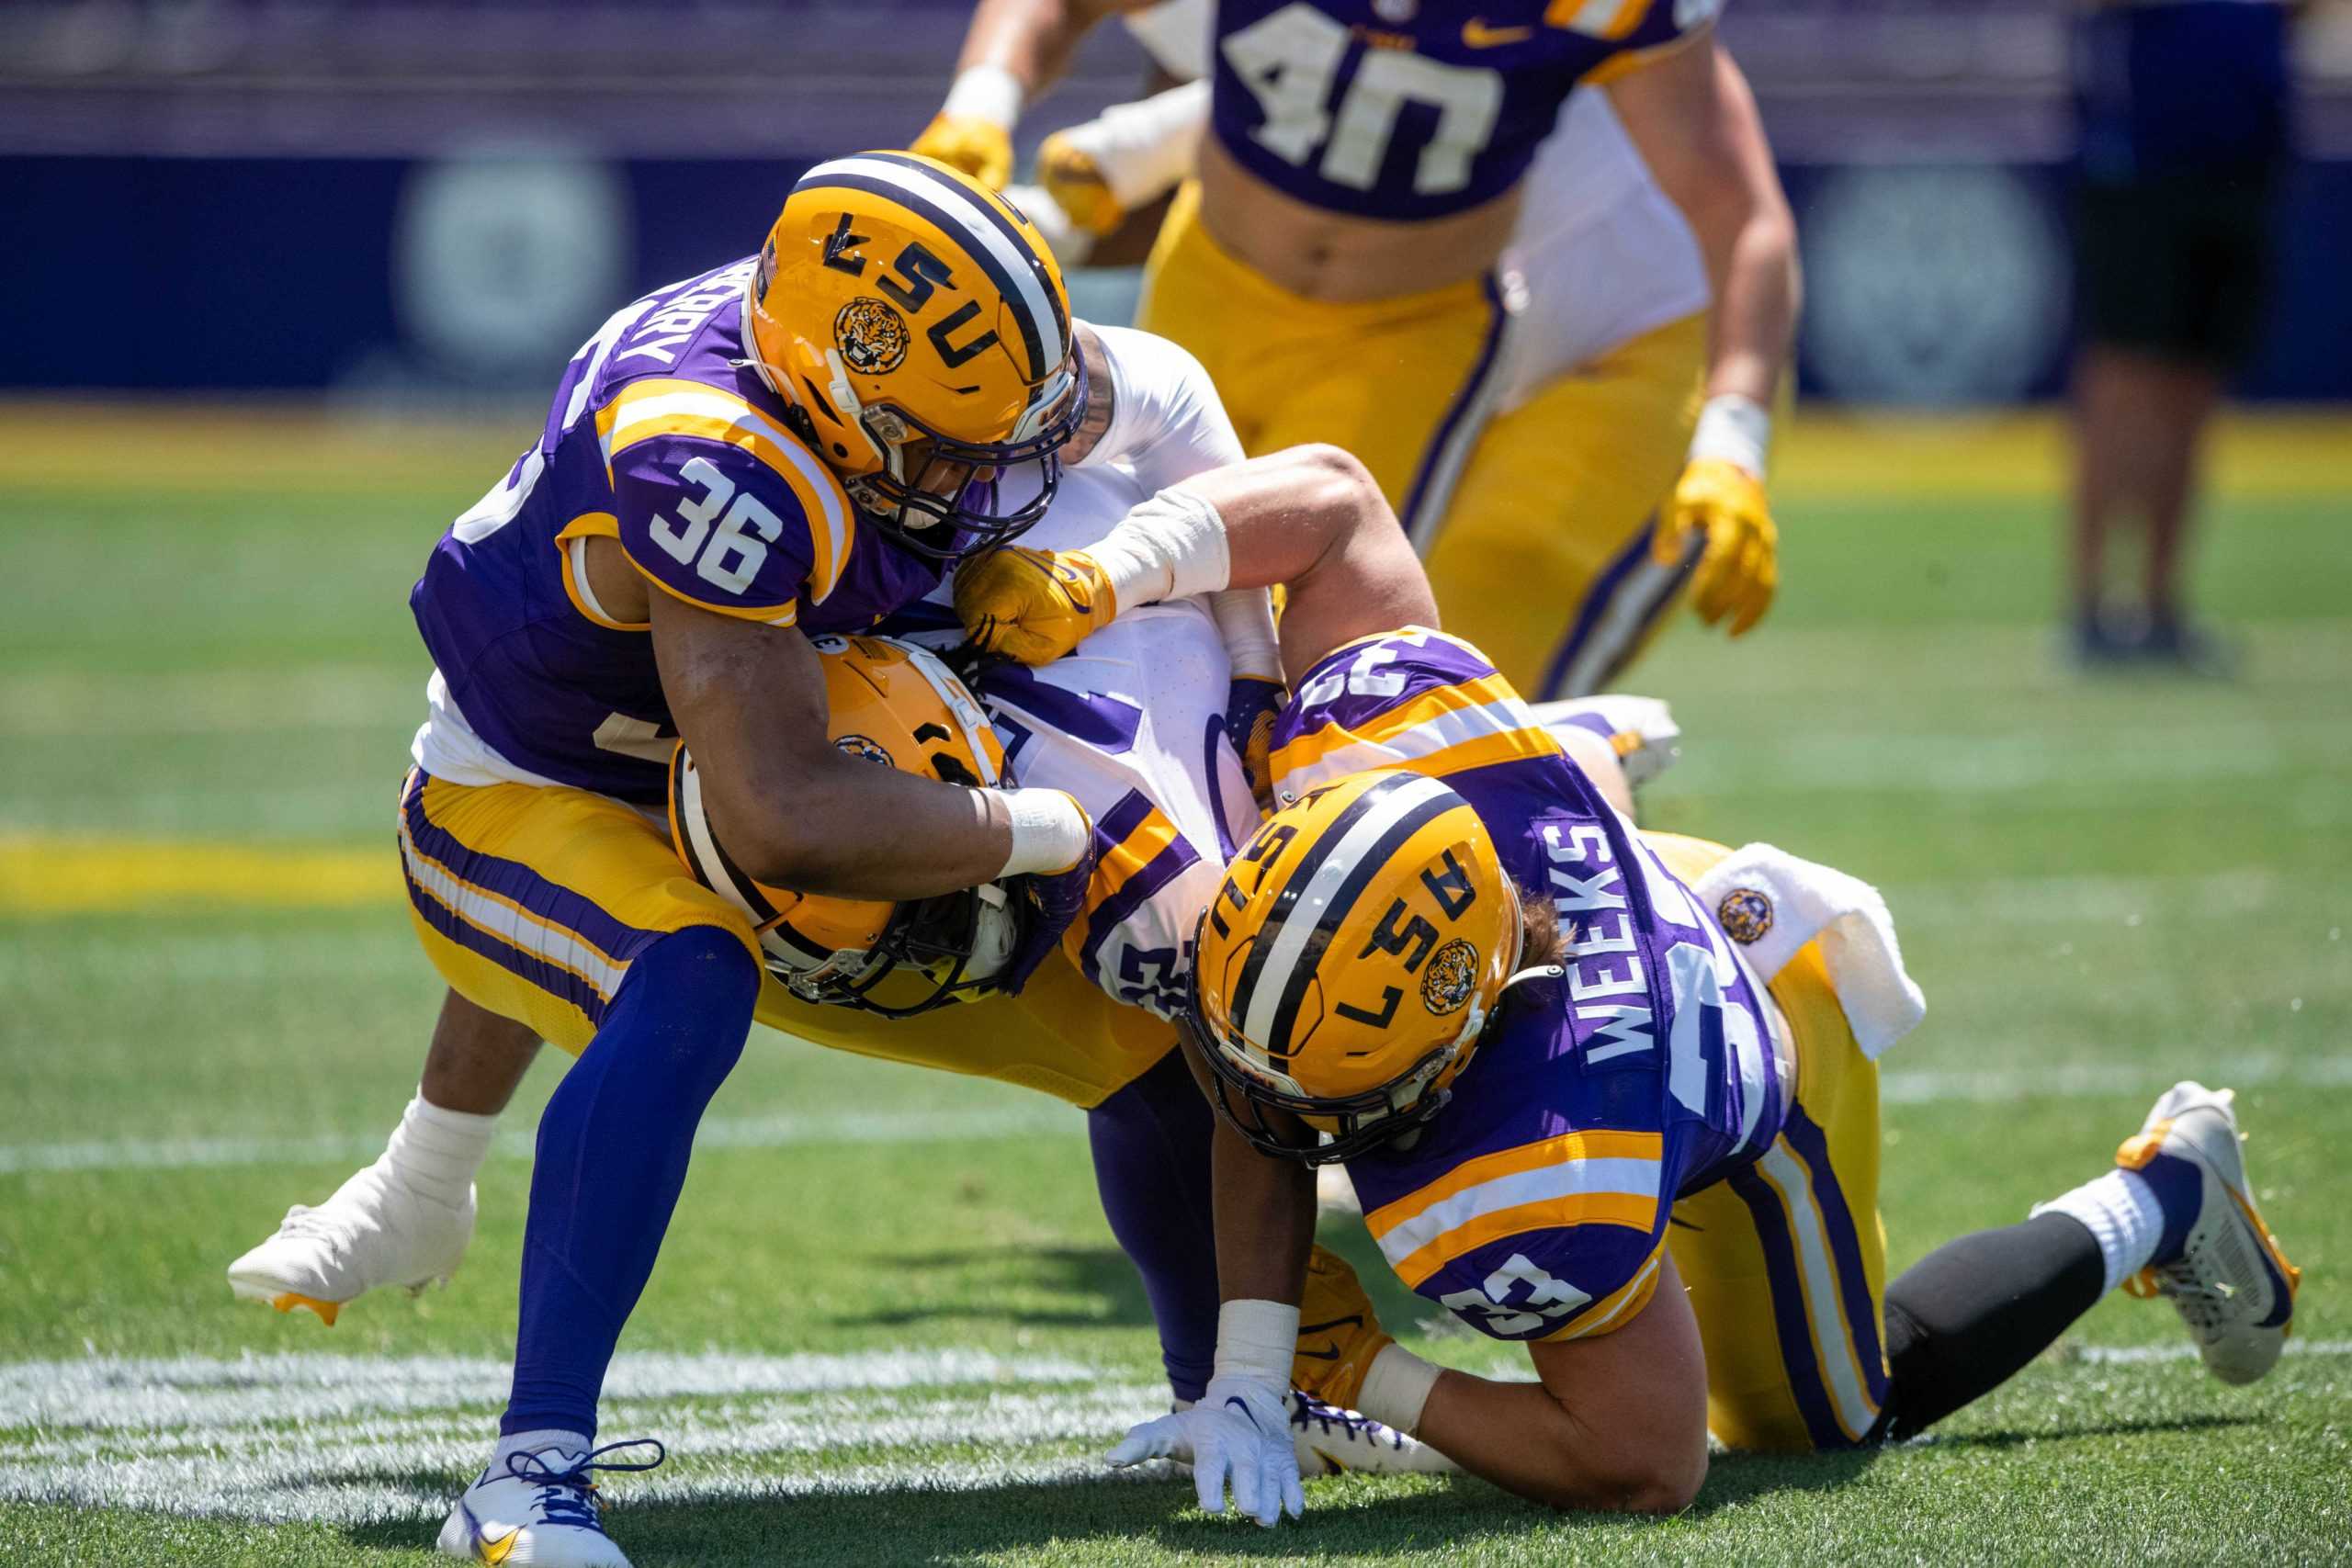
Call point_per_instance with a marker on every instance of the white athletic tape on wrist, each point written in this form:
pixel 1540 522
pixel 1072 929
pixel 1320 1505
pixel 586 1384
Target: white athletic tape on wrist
pixel 1142 150
pixel 1169 546
pixel 1734 428
pixel 1397 1388
pixel 1245 622
pixel 1048 830
pixel 985 91
pixel 1256 1339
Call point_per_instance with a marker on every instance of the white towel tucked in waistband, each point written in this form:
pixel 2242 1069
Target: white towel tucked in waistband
pixel 1771 903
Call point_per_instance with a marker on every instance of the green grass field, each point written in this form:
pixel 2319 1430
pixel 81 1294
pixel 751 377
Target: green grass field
pixel 889 1324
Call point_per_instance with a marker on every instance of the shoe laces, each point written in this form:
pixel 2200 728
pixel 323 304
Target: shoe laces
pixel 1308 1411
pixel 2204 1307
pixel 566 1497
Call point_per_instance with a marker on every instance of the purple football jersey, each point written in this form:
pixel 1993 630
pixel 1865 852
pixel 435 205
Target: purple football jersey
pixel 662 436
pixel 1406 110
pixel 1535 1204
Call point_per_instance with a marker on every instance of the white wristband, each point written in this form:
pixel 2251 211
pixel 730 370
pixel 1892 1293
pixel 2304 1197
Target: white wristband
pixel 1397 1388
pixel 1169 546
pixel 1245 620
pixel 1736 429
pixel 1256 1339
pixel 985 91
pixel 1143 149
pixel 1049 832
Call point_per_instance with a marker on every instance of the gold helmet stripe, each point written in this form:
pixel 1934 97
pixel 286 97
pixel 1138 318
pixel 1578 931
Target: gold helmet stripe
pixel 1318 893
pixel 987 239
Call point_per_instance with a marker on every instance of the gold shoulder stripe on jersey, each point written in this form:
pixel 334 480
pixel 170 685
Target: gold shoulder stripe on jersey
pixel 666 406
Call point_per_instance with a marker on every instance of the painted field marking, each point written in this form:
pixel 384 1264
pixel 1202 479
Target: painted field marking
pixel 286 1438
pixel 785 1129
pixel 314 1438
pixel 2071 1080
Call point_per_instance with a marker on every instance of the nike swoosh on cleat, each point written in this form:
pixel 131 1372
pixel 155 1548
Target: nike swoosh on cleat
pixel 497 1552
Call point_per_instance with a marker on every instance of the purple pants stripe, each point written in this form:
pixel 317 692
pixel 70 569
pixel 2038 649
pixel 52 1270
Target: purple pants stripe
pixel 1788 1309
pixel 1808 1142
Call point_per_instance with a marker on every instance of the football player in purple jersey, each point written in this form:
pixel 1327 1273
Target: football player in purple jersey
pixel 797 443
pixel 1366 249
pixel 1608 1094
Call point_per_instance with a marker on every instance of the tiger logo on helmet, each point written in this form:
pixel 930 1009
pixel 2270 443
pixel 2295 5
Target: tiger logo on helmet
pixel 1347 966
pixel 921 325
pixel 895 705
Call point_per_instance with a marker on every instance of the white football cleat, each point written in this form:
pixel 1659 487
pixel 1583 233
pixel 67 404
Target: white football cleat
pixel 1641 730
pixel 1332 1441
pixel 2232 1284
pixel 375 1231
pixel 539 1510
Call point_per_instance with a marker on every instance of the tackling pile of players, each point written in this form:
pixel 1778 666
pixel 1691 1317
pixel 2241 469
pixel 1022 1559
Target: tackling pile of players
pixel 1607 1093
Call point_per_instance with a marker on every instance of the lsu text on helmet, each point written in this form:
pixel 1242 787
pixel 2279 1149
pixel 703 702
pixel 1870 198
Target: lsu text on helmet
pixel 920 323
pixel 1345 968
pixel 895 705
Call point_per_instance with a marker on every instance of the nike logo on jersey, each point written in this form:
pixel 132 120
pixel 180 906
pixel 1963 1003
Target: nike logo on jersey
pixel 1476 33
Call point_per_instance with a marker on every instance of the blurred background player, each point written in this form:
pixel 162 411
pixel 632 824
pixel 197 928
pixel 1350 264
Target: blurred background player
pixel 1353 264
pixel 2184 134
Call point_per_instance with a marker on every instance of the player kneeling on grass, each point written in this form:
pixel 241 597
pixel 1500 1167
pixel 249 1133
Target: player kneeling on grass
pixel 1611 1095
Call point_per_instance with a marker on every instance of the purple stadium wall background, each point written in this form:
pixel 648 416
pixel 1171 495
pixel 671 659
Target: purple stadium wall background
pixel 386 279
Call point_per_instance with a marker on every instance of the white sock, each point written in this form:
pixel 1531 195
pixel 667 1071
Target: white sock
pixel 1397 1388
pixel 509 1443
pixel 2121 1213
pixel 434 1153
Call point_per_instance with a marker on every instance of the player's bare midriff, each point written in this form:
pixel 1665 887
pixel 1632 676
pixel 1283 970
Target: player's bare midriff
pixel 1335 257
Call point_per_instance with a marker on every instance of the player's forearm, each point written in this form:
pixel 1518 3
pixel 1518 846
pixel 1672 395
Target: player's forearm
pixel 1030 40
pixel 1311 520
pixel 1757 288
pixel 1519 1436
pixel 1265 1222
pixel 1749 241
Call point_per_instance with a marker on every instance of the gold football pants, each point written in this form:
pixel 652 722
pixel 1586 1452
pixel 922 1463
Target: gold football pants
pixel 531 902
pixel 1786 1261
pixel 1534 522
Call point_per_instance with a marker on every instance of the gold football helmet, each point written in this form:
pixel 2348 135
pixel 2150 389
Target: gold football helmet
pixel 1344 970
pixel 920 321
pixel 897 704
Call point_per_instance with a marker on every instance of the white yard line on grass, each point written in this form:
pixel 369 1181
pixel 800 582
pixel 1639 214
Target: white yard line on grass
pixel 281 1437
pixel 2065 1080
pixel 1047 1118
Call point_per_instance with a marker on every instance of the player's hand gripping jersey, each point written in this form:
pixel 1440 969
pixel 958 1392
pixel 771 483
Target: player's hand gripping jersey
pixel 1535 1206
pixel 1342 107
pixel 662 436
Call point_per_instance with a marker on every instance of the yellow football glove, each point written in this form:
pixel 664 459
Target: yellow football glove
pixel 1077 187
pixel 1034 605
pixel 1740 566
pixel 982 148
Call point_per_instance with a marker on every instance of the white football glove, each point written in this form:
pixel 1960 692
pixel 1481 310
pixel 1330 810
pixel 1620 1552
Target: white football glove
pixel 1239 1430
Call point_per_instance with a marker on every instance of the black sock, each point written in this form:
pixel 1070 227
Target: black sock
pixel 1963 1319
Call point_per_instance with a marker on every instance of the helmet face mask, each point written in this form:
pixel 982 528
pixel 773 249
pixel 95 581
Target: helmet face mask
pixel 895 705
pixel 1348 966
pixel 947 522
pixel 919 320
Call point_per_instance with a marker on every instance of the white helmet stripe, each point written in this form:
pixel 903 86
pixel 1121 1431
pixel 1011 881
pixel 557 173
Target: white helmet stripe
pixel 1289 941
pixel 980 230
